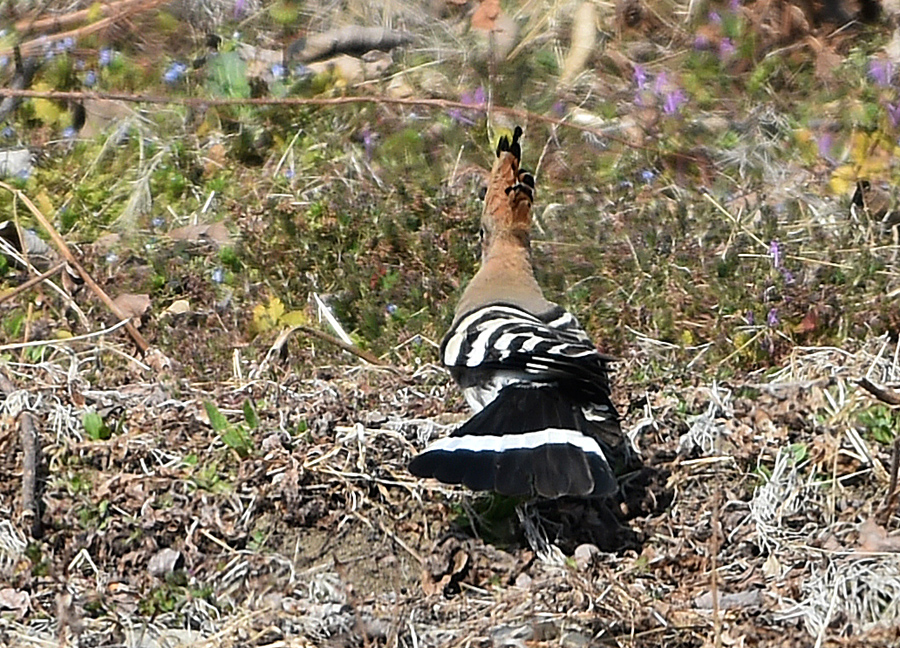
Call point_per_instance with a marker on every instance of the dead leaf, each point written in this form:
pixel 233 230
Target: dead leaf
pixel 809 322
pixel 485 17
pixel 15 600
pixel 874 538
pixel 178 307
pixel 213 232
pixel 131 305
pixel 584 39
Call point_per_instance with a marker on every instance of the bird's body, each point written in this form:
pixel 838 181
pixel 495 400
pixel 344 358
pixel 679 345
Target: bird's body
pixel 544 422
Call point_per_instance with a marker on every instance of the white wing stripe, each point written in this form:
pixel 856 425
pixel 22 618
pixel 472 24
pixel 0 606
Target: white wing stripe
pixel 509 442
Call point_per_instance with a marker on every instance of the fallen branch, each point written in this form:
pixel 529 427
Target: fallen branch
pixel 64 250
pixel 37 45
pixel 884 394
pixel 31 460
pixel 31 282
pixel 54 23
pixel 346 40
pixel 523 116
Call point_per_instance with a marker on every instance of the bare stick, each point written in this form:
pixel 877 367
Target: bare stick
pixel 442 104
pixel 67 254
pixel 31 460
pixel 31 282
pixel 54 23
pixel 884 394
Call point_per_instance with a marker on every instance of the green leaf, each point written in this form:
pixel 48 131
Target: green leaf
pixel 250 414
pixel 239 440
pixel 94 427
pixel 228 76
pixel 216 419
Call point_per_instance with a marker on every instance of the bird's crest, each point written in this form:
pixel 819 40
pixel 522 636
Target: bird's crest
pixel 510 191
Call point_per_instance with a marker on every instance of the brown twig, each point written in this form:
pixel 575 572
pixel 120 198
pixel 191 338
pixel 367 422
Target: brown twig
pixel 31 459
pixel 33 46
pixel 64 250
pixel 890 500
pixel 31 282
pixel 884 394
pixel 371 358
pixel 53 23
pixel 524 116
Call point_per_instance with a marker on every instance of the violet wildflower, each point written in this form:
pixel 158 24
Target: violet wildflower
pixel 701 42
pixel 673 101
pixel 881 71
pixel 749 317
pixel 90 78
pixel 734 5
pixel 787 275
pixel 369 138
pixel 661 83
pixel 391 309
pixel 68 132
pixel 772 318
pixel 240 6
pixel 775 253
pixel 640 76
pixel 158 221
pixel 278 70
pixel 825 142
pixel 218 275
pixel 4 61
pixel 7 132
pixel 175 72
pixel 647 176
pixel 715 18
pixel 105 57
pixel 893 112
pixel 289 174
pixel 726 48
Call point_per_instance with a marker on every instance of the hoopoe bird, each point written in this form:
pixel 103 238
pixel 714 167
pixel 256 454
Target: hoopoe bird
pixel 544 423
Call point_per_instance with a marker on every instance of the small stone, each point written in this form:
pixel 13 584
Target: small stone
pixel 523 581
pixel 585 555
pixel 574 640
pixel 164 562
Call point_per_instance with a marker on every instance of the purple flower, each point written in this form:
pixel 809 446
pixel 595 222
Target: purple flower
pixel 659 86
pixel 673 101
pixel 158 221
pixel 749 317
pixel 218 275
pixel 734 5
pixel 476 99
pixel 825 142
pixel 893 111
pixel 726 48
pixel 105 57
pixel 278 70
pixel 772 318
pixel 640 76
pixel 369 139
pixel 175 72
pixel 787 275
pixel 4 61
pixel 90 78
pixel 68 132
pixel 775 253
pixel 701 42
pixel 240 6
pixel 289 174
pixel 715 18
pixel 559 109
pixel 7 132
pixel 881 71
pixel 391 309
pixel 647 176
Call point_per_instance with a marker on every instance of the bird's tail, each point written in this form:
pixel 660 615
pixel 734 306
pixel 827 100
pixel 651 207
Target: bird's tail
pixel 530 440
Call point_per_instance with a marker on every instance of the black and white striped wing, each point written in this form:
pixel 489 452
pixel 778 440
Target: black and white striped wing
pixel 501 338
